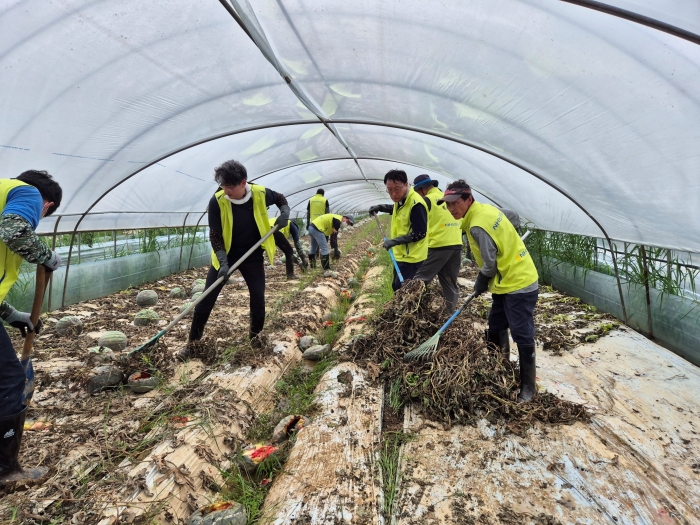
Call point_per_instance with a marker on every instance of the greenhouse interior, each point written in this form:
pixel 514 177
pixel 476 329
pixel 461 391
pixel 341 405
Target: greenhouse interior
pixel 167 360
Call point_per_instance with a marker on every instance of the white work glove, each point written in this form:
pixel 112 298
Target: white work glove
pixel 22 321
pixel 53 262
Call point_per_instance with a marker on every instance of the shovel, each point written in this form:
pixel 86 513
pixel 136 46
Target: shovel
pixel 391 254
pixel 25 360
pixel 199 299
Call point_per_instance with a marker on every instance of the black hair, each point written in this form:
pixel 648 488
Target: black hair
pixel 461 184
pixel 230 173
pixel 49 188
pixel 396 176
pixel 320 191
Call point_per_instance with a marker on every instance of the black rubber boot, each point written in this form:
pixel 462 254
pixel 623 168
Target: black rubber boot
pixel 199 320
pixel 528 376
pixel 289 263
pixel 258 340
pixel 500 341
pixel 326 262
pixel 312 260
pixel 11 430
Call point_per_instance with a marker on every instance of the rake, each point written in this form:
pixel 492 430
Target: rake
pixel 391 254
pixel 427 349
pixel 148 344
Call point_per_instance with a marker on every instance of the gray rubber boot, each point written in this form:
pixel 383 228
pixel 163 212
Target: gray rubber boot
pixel 528 376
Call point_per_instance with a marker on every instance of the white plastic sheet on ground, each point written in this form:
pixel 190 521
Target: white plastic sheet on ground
pixel 544 106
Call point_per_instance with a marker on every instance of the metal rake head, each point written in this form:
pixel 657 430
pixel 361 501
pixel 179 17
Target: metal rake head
pixel 423 351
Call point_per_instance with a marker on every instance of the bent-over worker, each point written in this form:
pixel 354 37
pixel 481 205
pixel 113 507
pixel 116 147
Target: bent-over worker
pixel 283 244
pixel 321 227
pixel 507 270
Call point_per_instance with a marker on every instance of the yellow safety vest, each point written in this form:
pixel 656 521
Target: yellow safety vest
pixel 413 252
pixel 515 268
pixel 317 206
pixel 260 215
pixel 443 228
pixel 9 260
pixel 284 231
pixel 324 223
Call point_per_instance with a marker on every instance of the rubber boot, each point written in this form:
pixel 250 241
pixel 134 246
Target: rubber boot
pixel 326 262
pixel 528 377
pixel 11 430
pixel 500 341
pixel 258 340
pixel 199 320
pixel 304 264
pixel 312 260
pixel 289 263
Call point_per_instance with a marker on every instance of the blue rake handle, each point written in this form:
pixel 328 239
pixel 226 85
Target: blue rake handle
pixel 391 253
pixel 454 315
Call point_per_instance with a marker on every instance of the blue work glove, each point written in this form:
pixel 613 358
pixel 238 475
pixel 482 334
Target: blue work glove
pixel 53 263
pixel 22 321
pixel 481 285
pixel 223 265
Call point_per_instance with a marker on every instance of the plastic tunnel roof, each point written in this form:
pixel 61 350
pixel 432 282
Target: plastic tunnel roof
pixel 580 115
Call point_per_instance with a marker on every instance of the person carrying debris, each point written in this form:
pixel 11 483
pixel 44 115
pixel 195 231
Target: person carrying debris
pixel 318 205
pixel 507 270
pixel 409 225
pixel 444 242
pixel 24 201
pixel 282 243
pixel 237 220
pixel 321 227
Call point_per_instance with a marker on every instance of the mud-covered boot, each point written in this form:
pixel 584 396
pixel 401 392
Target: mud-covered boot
pixel 500 341
pixel 289 263
pixel 326 262
pixel 312 260
pixel 186 352
pixel 528 376
pixel 258 340
pixel 11 430
pixel 304 263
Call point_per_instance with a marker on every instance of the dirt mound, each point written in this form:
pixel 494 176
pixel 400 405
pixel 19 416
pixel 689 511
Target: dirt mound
pixel 465 381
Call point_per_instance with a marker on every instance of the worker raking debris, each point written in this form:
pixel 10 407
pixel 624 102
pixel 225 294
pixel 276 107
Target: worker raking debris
pixel 465 381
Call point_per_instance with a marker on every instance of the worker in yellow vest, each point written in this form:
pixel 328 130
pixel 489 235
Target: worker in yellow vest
pixel 24 201
pixel 237 220
pixel 409 225
pixel 507 271
pixel 283 244
pixel 318 205
pixel 321 227
pixel 444 242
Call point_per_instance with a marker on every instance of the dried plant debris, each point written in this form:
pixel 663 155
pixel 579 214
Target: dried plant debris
pixel 465 381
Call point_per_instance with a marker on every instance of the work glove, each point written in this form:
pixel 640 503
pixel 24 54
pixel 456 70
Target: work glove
pixel 336 253
pixel 53 262
pixel 283 219
pixel 223 265
pixel 481 285
pixel 385 208
pixel 403 239
pixel 390 243
pixel 22 321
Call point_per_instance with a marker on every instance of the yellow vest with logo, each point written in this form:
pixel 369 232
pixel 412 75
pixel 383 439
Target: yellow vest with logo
pixel 9 260
pixel 443 228
pixel 515 268
pixel 284 231
pixel 317 206
pixel 413 252
pixel 324 223
pixel 260 215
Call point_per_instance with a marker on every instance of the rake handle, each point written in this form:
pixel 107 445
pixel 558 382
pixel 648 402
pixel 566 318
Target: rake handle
pixel 454 315
pixel 391 253
pixel 206 292
pixel 39 289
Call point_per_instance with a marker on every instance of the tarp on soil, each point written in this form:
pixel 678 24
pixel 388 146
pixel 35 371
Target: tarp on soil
pixel 566 111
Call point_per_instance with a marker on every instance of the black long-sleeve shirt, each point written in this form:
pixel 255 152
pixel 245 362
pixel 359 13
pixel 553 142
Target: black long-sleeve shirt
pixel 245 232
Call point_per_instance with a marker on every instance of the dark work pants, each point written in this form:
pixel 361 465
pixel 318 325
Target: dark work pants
pixel 515 311
pixel 283 244
pixel 408 271
pixel 12 377
pixel 445 264
pixel 253 271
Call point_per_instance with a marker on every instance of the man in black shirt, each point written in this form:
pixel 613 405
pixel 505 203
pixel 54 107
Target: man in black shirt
pixel 237 220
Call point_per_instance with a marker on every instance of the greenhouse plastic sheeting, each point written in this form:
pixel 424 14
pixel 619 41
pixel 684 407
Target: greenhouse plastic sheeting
pixel 579 115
